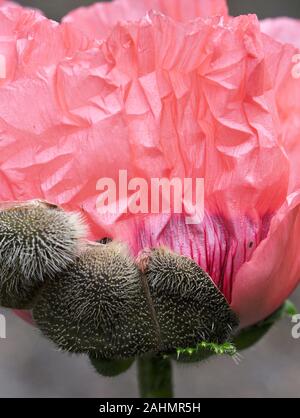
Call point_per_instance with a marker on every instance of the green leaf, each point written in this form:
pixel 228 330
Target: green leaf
pixel 251 335
pixel 110 368
pixel 245 339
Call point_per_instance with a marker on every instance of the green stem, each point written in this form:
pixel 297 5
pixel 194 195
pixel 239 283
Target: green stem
pixel 155 377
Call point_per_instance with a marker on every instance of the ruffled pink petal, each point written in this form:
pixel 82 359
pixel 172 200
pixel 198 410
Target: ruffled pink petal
pixel 272 273
pixel 288 107
pixel 283 29
pixel 97 20
pixel 263 283
pixel 160 99
pixel 286 70
pixel 24 32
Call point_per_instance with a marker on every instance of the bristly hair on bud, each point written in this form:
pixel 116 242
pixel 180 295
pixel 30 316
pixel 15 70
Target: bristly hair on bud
pixel 97 306
pixel 37 241
pixel 16 292
pixel 109 306
pixel 189 307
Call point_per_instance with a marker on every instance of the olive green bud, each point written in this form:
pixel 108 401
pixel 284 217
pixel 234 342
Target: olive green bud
pixel 189 307
pixel 37 240
pixel 98 306
pixel 111 368
pixel 110 307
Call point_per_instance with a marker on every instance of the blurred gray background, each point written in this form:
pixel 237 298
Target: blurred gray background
pixel 55 9
pixel 30 366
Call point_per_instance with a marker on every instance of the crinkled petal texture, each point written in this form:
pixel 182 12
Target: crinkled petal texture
pixel 283 29
pixel 97 20
pixel 162 99
pixel 265 281
pixel 287 30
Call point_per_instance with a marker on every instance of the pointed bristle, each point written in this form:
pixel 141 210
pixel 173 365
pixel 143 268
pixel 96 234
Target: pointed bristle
pixel 37 241
pixel 97 306
pixel 188 306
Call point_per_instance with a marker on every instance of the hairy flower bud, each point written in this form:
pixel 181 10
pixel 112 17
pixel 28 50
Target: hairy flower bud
pixel 106 306
pixel 16 291
pixel 98 306
pixel 189 308
pixel 110 368
pixel 37 240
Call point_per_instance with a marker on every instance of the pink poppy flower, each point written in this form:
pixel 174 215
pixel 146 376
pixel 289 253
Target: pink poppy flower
pixel 162 97
pixel 283 29
pixel 97 20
